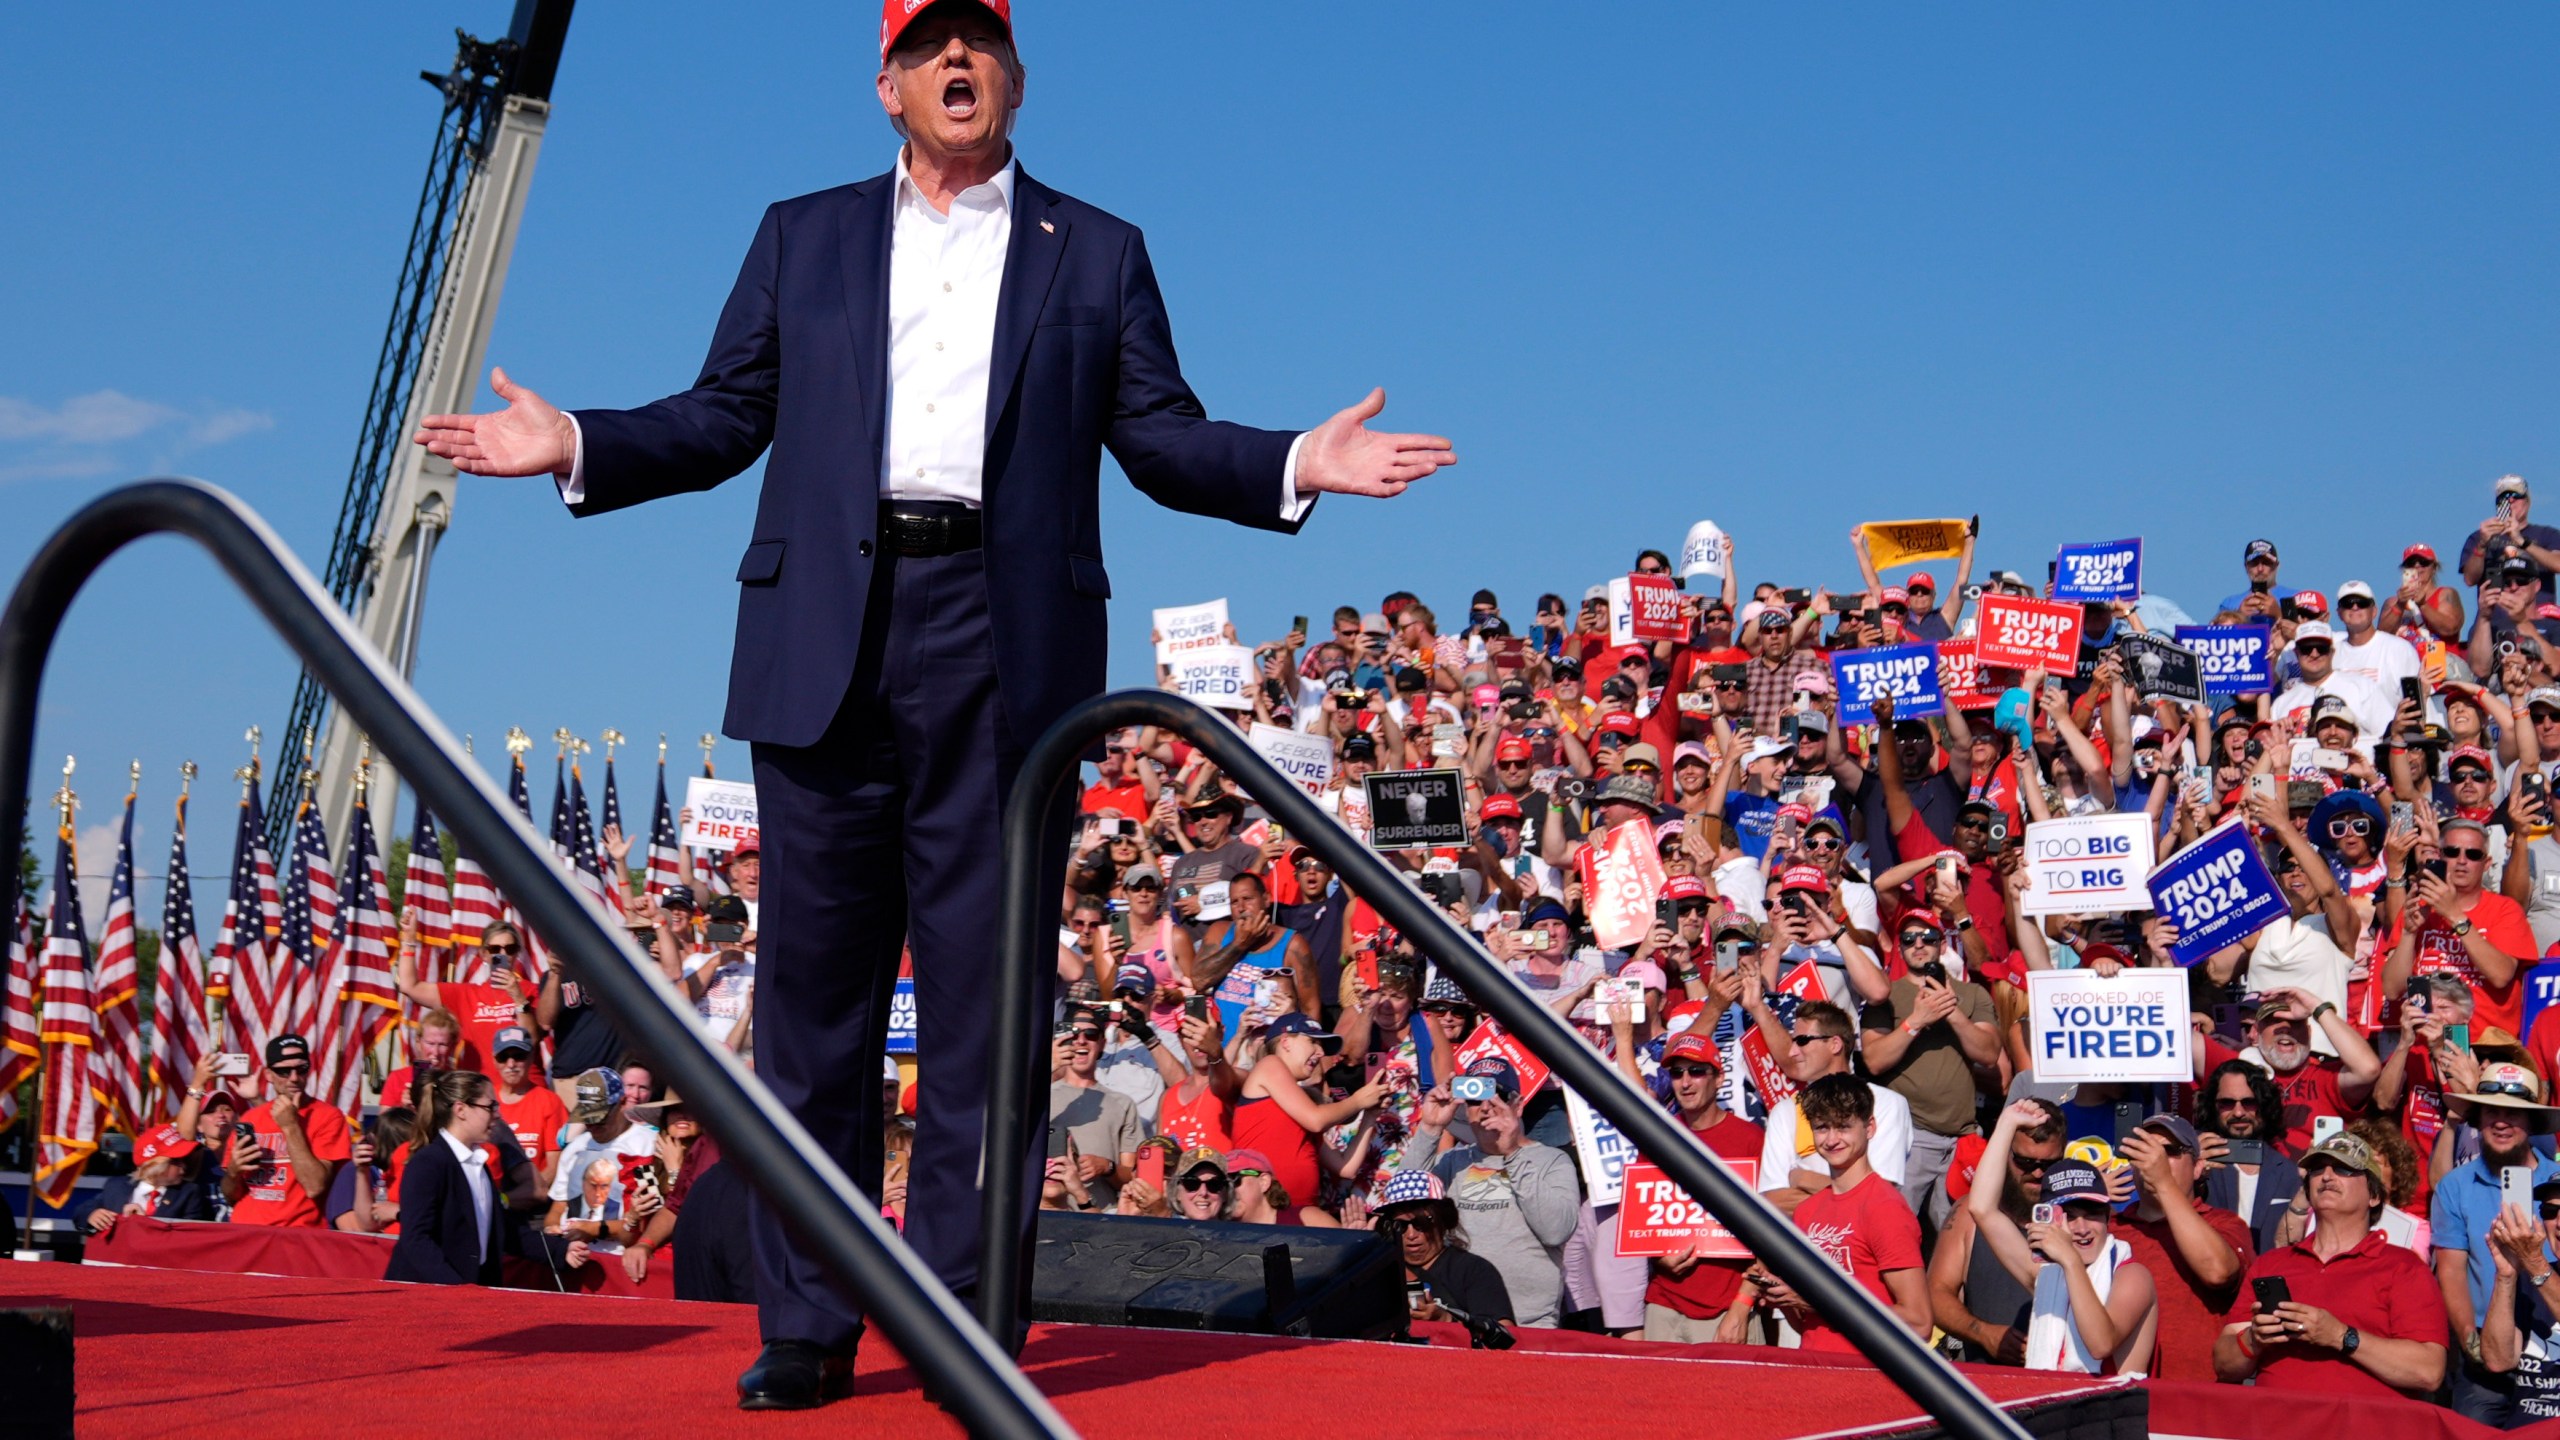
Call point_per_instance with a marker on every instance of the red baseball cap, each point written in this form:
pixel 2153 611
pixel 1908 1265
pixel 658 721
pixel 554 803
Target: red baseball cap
pixel 2311 602
pixel 2419 552
pixel 1805 877
pixel 1512 747
pixel 1797 811
pixel 897 15
pixel 1679 887
pixel 1690 1045
pixel 1499 807
pixel 1920 581
pixel 1619 722
pixel 164 1143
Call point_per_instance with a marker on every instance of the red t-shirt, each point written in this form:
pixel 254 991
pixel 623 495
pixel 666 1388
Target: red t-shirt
pixel 1201 1125
pixel 274 1194
pixel 1866 1232
pixel 1130 800
pixel 2310 1092
pixel 2501 922
pixel 2190 1311
pixel 1983 899
pixel 484 1010
pixel 2542 1042
pixel 2378 1288
pixel 1708 1289
pixel 536 1120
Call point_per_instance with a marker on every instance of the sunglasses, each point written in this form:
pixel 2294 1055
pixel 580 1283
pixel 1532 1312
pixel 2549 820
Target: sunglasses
pixel 1442 1007
pixel 1511 764
pixel 2235 1102
pixel 2350 825
pixel 1085 1037
pixel 1688 1072
pixel 288 1072
pixel 1732 687
pixel 2355 602
pixel 2029 1164
pixel 1249 1174
pixel 1824 844
pixel 2467 776
pixel 1910 938
pixel 2464 852
pixel 1203 1182
pixel 1695 907
pixel 1810 1038
pixel 2311 647
pixel 1977 822
pixel 1642 767
pixel 502 949
pixel 1400 1224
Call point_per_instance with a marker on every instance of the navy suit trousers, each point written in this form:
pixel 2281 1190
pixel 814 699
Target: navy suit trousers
pixel 888 830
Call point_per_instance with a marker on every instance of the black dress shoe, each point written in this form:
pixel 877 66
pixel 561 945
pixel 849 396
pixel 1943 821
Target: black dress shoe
pixel 794 1375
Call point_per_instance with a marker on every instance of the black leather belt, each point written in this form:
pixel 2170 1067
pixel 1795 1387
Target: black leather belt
pixel 913 527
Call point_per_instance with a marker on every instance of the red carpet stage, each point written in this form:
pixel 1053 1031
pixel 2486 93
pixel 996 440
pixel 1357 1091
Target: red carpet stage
pixel 164 1352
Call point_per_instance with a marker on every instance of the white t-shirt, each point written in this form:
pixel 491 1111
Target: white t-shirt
pixel 2383 659
pixel 636 1143
pixel 2293 954
pixel 731 978
pixel 1888 1153
pixel 2372 706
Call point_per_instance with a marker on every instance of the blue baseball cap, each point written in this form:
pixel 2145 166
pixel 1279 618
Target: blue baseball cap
pixel 1505 1080
pixel 1294 1023
pixel 2068 1180
pixel 1133 978
pixel 511 1039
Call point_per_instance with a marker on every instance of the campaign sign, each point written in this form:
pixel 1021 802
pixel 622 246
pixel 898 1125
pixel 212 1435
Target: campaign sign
pixel 902 1017
pixel 1622 878
pixel 1489 1041
pixel 1643 609
pixel 1960 677
pixel 1657 1217
pixel 1182 629
pixel 2162 669
pixel 2217 891
pixel 724 813
pixel 1220 676
pixel 1909 673
pixel 2541 987
pixel 2024 634
pixel 2235 658
pixel 1307 760
pixel 2086 864
pixel 1605 1153
pixel 1415 809
pixel 2103 571
pixel 1702 554
pixel 2131 1029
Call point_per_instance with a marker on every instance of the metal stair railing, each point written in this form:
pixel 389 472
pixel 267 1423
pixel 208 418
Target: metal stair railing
pixel 1028 932
pixel 970 1376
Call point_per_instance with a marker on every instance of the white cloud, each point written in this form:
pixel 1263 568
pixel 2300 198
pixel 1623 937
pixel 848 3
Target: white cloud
pixel 90 434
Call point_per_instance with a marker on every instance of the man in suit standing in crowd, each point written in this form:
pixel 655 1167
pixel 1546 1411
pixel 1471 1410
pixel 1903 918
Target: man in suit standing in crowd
pixel 936 357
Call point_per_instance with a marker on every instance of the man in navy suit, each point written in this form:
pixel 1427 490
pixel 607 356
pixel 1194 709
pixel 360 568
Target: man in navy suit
pixel 936 358
pixel 164 1183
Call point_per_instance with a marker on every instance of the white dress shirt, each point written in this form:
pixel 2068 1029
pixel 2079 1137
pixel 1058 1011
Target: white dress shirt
pixel 483 1198
pixel 946 274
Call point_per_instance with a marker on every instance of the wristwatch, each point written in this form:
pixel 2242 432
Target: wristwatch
pixel 2348 1342
pixel 2462 929
pixel 2538 1281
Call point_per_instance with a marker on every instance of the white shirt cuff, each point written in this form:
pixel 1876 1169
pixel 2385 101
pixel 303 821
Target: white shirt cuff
pixel 1294 503
pixel 573 486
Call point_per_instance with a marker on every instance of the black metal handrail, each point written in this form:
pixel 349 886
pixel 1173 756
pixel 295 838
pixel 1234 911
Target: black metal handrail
pixel 972 1378
pixel 1028 934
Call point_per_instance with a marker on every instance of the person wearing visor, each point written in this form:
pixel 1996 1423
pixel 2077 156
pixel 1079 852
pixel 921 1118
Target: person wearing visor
pixel 2506 1106
pixel 1521 1198
pixel 2093 1309
pixel 1443 1279
pixel 1276 1116
pixel 2348 1313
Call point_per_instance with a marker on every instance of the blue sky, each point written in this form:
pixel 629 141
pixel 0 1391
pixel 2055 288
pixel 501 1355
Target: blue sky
pixel 2187 272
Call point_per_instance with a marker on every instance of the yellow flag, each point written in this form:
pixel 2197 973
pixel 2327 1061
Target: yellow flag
pixel 1900 542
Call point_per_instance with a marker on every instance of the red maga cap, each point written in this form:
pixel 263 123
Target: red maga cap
pixel 897 15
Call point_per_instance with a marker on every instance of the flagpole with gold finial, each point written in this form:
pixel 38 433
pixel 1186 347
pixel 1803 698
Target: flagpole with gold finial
pixel 707 742
pixel 66 805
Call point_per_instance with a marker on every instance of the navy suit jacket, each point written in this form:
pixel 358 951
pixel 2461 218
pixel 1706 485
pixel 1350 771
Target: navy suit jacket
pixel 438 1243
pixel 1083 358
pixel 186 1200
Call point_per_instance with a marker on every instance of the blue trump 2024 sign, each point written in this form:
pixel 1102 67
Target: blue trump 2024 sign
pixel 1909 673
pixel 2217 892
pixel 2102 570
pixel 2234 658
pixel 902 1017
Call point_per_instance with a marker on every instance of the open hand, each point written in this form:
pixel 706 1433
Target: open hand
pixel 529 437
pixel 1341 456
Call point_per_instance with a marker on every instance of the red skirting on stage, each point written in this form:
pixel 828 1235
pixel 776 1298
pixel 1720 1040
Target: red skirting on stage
pixel 337 1255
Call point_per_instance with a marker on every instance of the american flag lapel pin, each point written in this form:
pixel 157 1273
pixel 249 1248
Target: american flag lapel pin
pixel 1045 225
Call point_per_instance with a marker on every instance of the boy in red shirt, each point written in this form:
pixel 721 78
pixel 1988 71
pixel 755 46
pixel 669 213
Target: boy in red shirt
pixel 1860 1222
pixel 299 1145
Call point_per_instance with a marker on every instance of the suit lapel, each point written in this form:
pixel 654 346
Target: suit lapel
pixel 863 251
pixel 1030 264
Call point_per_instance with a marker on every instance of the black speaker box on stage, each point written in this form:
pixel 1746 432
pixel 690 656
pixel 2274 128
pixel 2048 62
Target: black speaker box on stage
pixel 35 1370
pixel 1243 1279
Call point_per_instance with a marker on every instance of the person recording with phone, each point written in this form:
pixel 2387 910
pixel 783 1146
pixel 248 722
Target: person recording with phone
pixel 1521 1198
pixel 452 1229
pixel 2520 1335
pixel 2092 1308
pixel 2256 1180
pixel 2343 1311
pixel 285 1153
pixel 2507 1108
pixel 1922 1042
pixel 2463 928
pixel 1443 1279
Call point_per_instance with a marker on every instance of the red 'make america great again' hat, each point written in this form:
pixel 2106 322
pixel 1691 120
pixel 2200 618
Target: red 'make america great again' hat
pixel 897 15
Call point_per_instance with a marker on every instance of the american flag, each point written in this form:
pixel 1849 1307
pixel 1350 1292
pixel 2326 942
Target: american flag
pixel 563 839
pixel 665 868
pixel 21 1043
pixel 241 967
pixel 586 867
pixel 361 1000
pixel 617 875
pixel 534 963
pixel 68 1021
pixel 310 919
pixel 115 1062
pixel 179 1036
pixel 424 890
